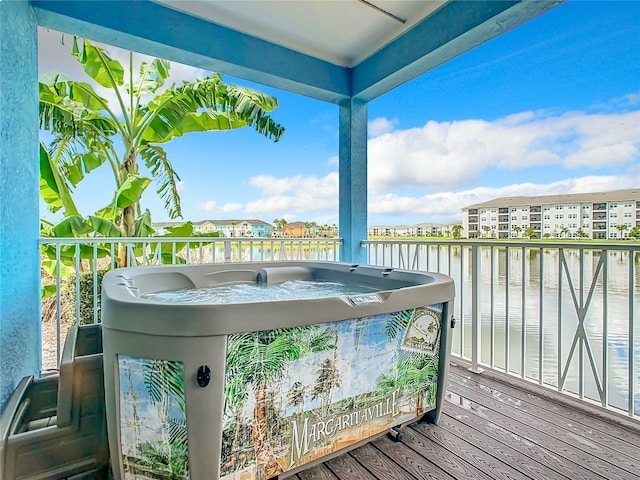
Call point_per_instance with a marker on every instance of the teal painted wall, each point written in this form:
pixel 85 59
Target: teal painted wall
pixel 20 349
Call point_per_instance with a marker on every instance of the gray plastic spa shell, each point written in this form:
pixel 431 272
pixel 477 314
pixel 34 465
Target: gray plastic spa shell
pixel 196 333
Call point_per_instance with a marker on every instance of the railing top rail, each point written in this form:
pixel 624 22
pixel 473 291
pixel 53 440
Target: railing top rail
pixel 626 245
pixel 92 240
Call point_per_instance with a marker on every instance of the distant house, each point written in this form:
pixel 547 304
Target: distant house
pixel 295 229
pixel 403 231
pixel 419 230
pixel 224 228
pixel 429 229
pixel 380 231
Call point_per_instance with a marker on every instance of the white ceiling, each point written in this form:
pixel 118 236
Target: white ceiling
pixel 343 32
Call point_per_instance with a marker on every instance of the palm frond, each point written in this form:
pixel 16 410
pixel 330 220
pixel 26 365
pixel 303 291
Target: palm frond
pixel 397 322
pixel 166 178
pixel 206 105
pixel 178 431
pixel 164 377
pixel 152 76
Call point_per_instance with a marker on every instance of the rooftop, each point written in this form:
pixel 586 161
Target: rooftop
pixel 611 196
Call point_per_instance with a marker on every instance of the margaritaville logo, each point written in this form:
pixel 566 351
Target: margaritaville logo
pixel 306 435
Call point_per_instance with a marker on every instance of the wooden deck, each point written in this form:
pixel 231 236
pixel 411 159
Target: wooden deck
pixel 495 427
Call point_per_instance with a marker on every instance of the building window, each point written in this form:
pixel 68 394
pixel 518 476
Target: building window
pixel 613 215
pixel 524 217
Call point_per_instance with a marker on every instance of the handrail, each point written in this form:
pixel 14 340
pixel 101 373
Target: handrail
pixel 561 314
pixel 514 300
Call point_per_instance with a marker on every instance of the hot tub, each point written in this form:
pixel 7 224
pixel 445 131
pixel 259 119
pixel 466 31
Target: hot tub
pixel 237 371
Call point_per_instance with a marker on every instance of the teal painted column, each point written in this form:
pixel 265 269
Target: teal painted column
pixel 353 180
pixel 20 333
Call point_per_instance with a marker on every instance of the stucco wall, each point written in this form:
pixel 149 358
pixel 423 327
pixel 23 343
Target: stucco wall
pixel 19 175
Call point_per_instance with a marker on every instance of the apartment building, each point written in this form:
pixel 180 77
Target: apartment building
pixel 600 215
pixel 419 230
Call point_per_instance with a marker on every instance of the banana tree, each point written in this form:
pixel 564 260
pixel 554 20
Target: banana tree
pixel 88 132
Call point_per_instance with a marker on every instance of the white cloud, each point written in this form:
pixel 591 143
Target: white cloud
pixel 447 206
pixel 294 195
pixel 381 125
pixel 212 206
pixel 271 185
pixel 444 155
pixel 333 161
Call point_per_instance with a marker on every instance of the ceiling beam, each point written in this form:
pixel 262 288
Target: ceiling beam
pixel 154 29
pixel 450 31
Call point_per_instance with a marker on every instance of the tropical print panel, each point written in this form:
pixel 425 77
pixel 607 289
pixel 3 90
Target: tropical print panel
pixel 297 394
pixel 152 419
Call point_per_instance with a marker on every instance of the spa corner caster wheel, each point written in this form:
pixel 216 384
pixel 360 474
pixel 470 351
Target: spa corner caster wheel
pixel 395 434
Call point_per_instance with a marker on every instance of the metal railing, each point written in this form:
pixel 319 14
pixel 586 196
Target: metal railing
pixel 562 314
pixel 72 270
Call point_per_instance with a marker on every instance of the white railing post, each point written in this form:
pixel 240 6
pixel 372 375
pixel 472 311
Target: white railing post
pixel 476 318
pixel 227 251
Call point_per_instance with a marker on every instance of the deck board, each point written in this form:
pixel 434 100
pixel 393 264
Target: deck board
pixel 413 462
pixel 345 467
pixel 599 458
pixel 562 414
pixel 537 454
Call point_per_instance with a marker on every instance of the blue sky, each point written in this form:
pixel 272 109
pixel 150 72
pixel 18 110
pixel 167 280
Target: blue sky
pixel 550 107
